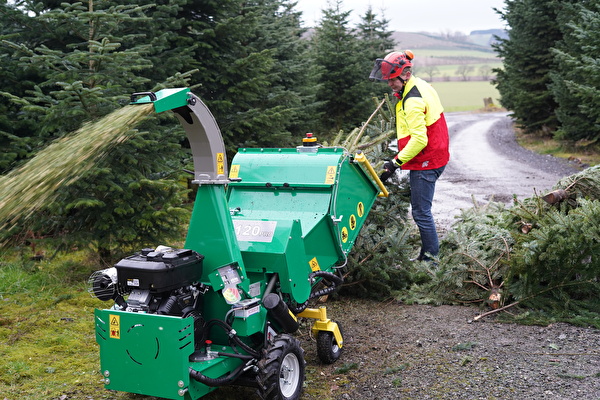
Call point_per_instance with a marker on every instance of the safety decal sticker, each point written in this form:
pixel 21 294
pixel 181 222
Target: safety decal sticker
pixel 360 209
pixel 220 163
pixel 314 264
pixel 115 326
pixel 330 175
pixel 344 234
pixel 234 172
pixel 353 222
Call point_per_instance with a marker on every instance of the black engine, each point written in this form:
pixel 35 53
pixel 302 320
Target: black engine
pixel 156 281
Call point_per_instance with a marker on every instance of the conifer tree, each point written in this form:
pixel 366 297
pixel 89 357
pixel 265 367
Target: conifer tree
pixel 15 132
pixel 337 51
pixel 345 56
pixel 83 75
pixel 375 41
pixel 296 71
pixel 252 69
pixel 374 35
pixel 523 81
pixel 576 79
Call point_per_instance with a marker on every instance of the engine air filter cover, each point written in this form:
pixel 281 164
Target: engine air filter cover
pixel 159 271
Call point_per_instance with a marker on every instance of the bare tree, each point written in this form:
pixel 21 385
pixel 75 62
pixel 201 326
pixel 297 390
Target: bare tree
pixel 430 71
pixel 485 71
pixel 456 36
pixel 464 71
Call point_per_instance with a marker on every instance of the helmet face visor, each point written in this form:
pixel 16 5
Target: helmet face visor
pixel 384 70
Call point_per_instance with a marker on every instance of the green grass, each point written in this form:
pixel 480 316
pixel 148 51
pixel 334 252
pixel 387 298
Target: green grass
pixel 46 328
pixel 455 93
pixel 544 144
pixel 465 95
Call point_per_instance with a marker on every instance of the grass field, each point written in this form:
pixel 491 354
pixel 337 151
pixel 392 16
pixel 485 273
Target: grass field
pixel 451 70
pixel 448 56
pixel 423 54
pixel 465 95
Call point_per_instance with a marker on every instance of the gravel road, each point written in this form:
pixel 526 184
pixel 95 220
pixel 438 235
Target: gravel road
pixel 487 163
pixel 394 351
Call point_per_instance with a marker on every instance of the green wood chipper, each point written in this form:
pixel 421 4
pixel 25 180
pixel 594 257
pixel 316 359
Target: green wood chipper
pixel 267 234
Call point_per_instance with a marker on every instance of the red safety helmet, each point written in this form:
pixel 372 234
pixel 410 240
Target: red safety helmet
pixel 392 65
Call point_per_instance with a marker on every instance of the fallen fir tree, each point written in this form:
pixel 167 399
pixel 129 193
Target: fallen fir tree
pixel 542 257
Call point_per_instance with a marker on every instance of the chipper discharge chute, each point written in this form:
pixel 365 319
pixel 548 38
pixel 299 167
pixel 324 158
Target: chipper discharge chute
pixel 266 236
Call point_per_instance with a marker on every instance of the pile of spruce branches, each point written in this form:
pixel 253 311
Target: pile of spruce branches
pixel 541 254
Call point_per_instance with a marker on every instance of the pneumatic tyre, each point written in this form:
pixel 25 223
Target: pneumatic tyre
pixel 281 371
pixel 328 349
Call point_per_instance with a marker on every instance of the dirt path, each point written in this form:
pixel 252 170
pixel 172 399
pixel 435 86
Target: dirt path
pixel 395 351
pixel 486 162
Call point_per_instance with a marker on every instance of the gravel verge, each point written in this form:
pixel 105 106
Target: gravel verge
pixel 395 351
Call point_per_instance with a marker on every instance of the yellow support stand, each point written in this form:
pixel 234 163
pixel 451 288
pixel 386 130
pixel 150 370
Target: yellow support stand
pixel 323 323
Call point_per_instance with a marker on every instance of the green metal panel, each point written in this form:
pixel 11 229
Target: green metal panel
pixel 323 245
pixel 149 354
pixel 252 324
pixel 305 204
pixel 211 231
pixel 284 254
pixel 352 199
pixel 144 353
pixel 279 166
pixel 323 189
pixel 167 99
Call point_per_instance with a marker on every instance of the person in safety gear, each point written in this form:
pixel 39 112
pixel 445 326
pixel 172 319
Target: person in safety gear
pixel 422 140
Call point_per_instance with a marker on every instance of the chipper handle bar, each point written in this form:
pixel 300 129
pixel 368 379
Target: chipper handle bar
pixel 360 157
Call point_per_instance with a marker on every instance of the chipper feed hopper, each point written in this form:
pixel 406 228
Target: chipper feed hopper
pixel 266 235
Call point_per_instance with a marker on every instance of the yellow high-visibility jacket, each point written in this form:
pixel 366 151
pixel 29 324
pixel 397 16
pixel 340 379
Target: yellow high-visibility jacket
pixel 421 127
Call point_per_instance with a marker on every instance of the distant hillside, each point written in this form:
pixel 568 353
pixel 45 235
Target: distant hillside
pixel 477 40
pixel 480 40
pixel 487 37
pixel 452 56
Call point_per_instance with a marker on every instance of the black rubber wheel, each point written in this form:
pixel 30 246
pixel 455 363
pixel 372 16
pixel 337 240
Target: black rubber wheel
pixel 281 370
pixel 328 349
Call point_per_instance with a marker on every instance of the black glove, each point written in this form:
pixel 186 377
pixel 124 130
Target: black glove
pixel 390 166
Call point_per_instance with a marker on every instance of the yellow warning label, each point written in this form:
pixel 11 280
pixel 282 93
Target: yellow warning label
pixel 314 265
pixel 330 176
pixel 344 234
pixel 115 326
pixel 234 172
pixel 220 163
pixel 352 222
pixel 360 209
